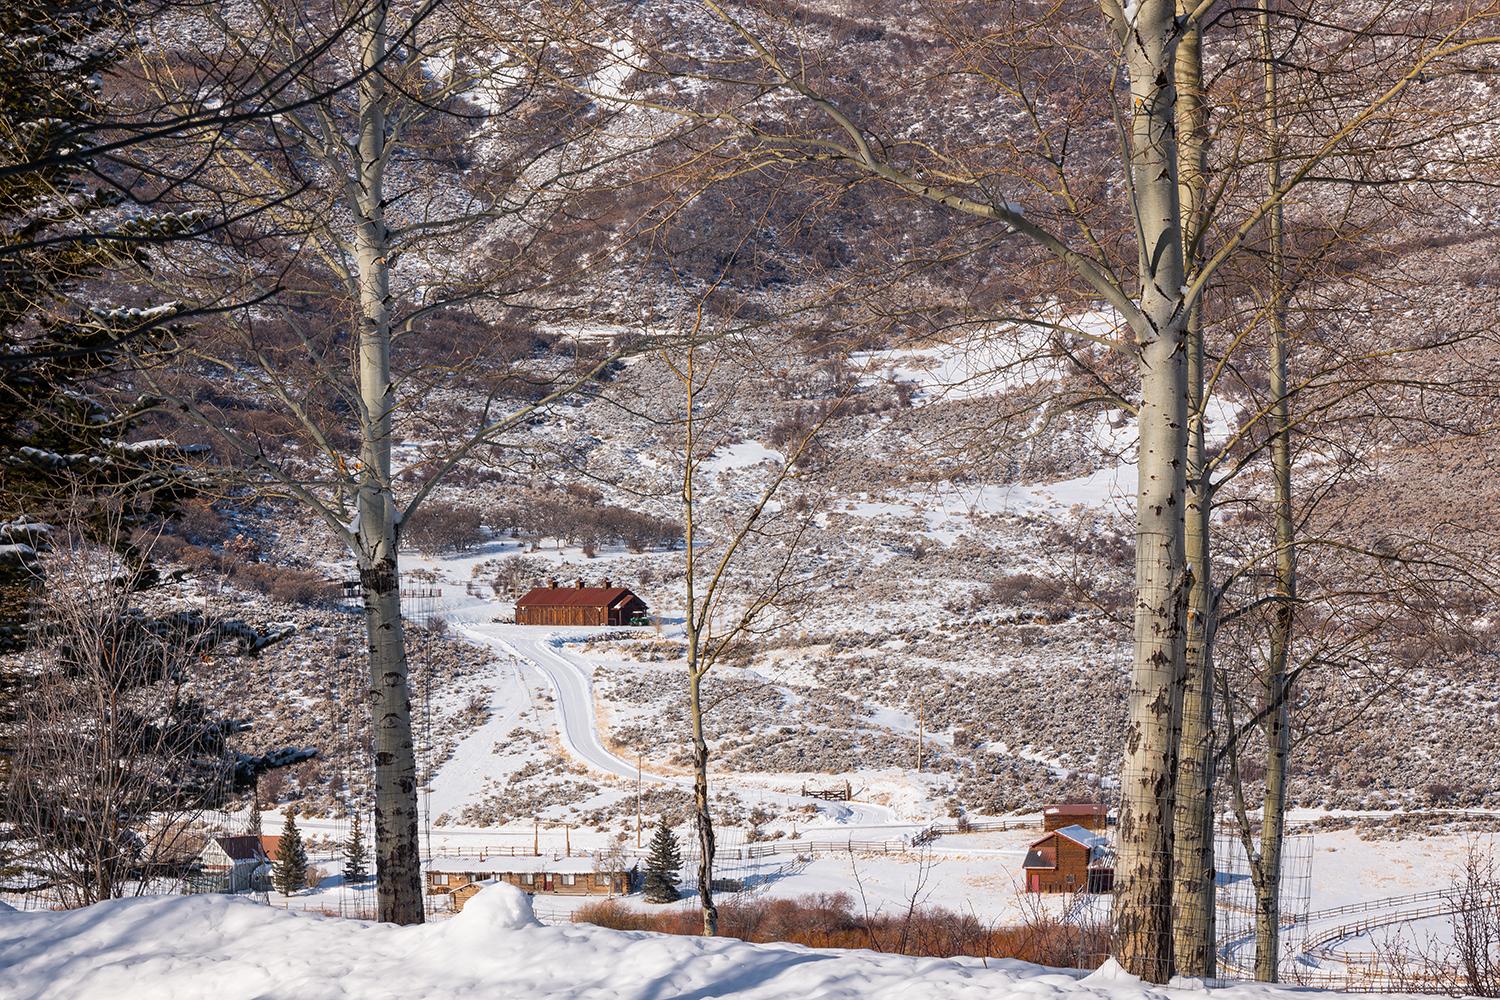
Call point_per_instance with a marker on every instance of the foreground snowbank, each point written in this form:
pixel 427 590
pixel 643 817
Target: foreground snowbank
pixel 219 947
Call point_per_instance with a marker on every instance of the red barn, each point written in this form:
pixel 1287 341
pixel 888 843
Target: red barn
pixel 1071 859
pixel 580 605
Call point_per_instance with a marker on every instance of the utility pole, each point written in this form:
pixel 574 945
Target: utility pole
pixel 638 798
pixel 536 838
pixel 921 706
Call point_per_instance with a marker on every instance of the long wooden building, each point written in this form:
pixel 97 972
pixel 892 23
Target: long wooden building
pixel 580 605
pixel 460 878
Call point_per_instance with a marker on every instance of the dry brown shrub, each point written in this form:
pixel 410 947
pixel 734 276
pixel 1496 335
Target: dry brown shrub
pixel 830 920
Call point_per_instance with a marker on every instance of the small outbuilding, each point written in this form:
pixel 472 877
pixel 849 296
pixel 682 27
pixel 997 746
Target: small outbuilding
pixel 236 864
pixel 580 605
pixel 460 878
pixel 1089 815
pixel 1070 859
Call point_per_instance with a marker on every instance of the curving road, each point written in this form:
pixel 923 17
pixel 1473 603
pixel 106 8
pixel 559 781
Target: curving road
pixel 572 685
pixel 570 675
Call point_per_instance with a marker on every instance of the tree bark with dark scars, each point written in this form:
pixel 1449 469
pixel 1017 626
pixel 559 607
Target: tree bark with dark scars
pixel 397 861
pixel 705 823
pixel 1193 923
pixel 1143 876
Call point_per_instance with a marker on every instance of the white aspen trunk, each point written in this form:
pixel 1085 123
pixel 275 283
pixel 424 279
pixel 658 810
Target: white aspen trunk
pixel 1278 728
pixel 1193 841
pixel 703 821
pixel 1143 878
pixel 397 862
pixel 702 815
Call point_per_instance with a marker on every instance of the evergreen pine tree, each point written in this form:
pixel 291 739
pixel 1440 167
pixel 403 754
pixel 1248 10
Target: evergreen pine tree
pixel 290 874
pixel 65 400
pixel 254 827
pixel 356 859
pixel 662 865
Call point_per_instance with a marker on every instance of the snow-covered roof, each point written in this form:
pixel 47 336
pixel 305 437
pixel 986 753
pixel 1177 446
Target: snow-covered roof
pixel 1076 809
pixel 1042 856
pixel 506 865
pixel 1079 835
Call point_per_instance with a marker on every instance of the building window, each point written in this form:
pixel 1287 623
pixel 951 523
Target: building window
pixel 570 879
pixel 527 878
pixel 601 879
pixel 440 878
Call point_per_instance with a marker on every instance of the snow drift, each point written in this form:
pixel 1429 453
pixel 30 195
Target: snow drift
pixel 225 948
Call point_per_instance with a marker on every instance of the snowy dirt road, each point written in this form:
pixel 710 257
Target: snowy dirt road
pixel 544 650
pixel 548 652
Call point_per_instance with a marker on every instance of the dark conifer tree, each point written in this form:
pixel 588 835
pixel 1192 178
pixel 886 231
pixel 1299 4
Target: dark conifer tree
pixel 356 854
pixel 663 865
pixel 290 873
pixel 253 828
pixel 74 325
pixel 70 246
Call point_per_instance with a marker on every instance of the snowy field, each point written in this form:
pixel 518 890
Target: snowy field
pixel 231 949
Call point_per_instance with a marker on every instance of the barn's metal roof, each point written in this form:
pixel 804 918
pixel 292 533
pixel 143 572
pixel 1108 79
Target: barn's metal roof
pixel 243 848
pixel 505 865
pixel 576 597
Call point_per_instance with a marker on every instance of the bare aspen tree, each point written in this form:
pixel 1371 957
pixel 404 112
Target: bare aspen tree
pixel 1155 311
pixel 1143 900
pixel 1278 722
pixel 356 268
pixel 1333 373
pixel 376 516
pixel 721 609
pixel 1193 820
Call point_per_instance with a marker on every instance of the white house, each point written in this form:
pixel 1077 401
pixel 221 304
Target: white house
pixel 237 864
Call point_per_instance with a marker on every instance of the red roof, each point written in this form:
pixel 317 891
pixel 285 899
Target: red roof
pixel 576 597
pixel 271 847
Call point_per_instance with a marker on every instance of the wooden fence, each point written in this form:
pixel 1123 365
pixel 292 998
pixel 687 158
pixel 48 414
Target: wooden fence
pixel 769 848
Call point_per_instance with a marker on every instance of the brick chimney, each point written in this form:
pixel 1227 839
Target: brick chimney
pixel 606 584
pixel 578 583
pixel 552 583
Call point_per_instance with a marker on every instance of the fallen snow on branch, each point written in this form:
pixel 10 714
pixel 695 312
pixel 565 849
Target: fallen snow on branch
pixel 228 948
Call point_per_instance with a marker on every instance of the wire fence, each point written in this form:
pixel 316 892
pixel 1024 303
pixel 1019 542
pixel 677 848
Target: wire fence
pixel 1237 901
